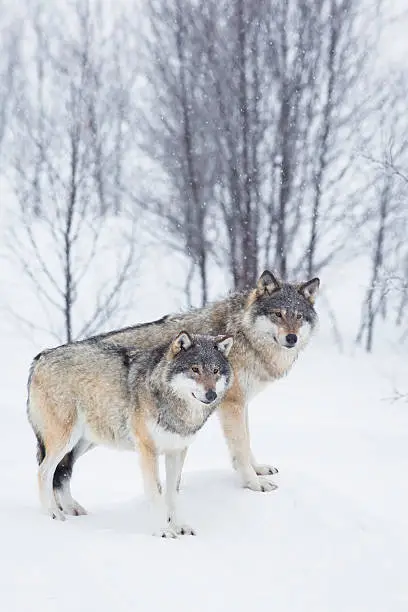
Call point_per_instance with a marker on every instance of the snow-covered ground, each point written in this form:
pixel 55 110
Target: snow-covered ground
pixel 333 537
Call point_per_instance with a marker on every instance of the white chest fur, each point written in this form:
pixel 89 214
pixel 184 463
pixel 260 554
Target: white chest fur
pixel 251 385
pixel 255 380
pixel 284 359
pixel 166 441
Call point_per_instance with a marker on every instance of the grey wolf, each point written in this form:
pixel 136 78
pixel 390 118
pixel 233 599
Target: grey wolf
pixel 271 324
pixel 153 400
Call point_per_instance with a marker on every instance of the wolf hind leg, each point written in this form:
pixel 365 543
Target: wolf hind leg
pixel 57 444
pixel 62 479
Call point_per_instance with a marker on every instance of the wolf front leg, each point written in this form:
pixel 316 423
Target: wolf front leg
pixel 153 488
pixel 182 459
pixel 150 473
pixel 261 470
pixel 233 419
pixel 174 526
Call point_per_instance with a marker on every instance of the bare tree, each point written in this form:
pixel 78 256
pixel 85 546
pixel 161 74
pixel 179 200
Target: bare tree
pixel 386 218
pixel 252 118
pixel 173 131
pixel 240 86
pixel 9 60
pixel 375 292
pixel 68 156
pixel 322 60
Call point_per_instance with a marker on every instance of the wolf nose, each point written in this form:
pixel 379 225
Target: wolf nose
pixel 291 339
pixel 210 395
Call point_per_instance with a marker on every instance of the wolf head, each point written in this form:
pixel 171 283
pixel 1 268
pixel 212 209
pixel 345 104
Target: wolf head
pixel 198 367
pixel 283 312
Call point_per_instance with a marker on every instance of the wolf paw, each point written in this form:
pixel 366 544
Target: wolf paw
pixel 56 514
pixel 261 484
pixel 166 532
pixel 265 470
pixel 184 530
pixel 75 509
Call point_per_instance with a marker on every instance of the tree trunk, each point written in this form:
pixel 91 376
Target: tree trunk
pixel 377 264
pixel 322 161
pixel 195 216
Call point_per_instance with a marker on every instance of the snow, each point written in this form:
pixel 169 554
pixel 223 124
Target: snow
pixel 333 537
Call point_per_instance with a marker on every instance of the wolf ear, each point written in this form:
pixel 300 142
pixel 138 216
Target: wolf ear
pixel 267 283
pixel 310 289
pixel 224 344
pixel 182 342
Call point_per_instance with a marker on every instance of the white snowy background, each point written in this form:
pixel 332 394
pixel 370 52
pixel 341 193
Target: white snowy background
pixel 332 538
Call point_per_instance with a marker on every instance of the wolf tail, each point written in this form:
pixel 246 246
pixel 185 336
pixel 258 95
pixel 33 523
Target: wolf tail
pixel 40 442
pixel 40 448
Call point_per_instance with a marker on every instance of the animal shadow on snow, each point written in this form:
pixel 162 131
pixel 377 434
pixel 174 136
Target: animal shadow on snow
pixel 211 502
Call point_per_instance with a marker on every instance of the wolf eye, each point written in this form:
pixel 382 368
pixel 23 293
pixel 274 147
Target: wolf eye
pixel 299 315
pixel 216 370
pixel 278 314
pixel 195 369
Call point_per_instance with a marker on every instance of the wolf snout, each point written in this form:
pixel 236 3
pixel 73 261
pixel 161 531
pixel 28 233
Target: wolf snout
pixel 206 398
pixel 291 339
pixel 211 395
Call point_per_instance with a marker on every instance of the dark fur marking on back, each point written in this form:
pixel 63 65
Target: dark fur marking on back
pixel 125 359
pixel 124 354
